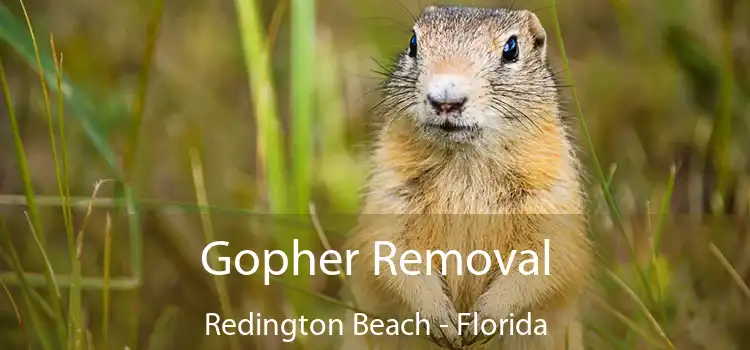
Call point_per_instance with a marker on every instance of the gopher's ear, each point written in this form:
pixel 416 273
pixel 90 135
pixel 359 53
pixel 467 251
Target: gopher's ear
pixel 538 34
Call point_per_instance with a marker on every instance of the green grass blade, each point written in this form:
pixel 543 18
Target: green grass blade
pixel 582 122
pixel 133 207
pixel 126 203
pixel 632 326
pixel 608 182
pixel 36 225
pixel 208 230
pixel 23 167
pixel 131 202
pixel 730 269
pixel 642 306
pixel 63 178
pixel 276 19
pixel 53 289
pixel 40 237
pixel 658 233
pixel 32 209
pixel 302 96
pixel 597 165
pixel 14 33
pixel 127 186
pixel 17 312
pixel 63 174
pixel 302 13
pixel 126 199
pixel 270 147
pixel 43 304
pixel 10 255
pixel 107 281
pixel 721 135
pixel 77 332
pixel 139 101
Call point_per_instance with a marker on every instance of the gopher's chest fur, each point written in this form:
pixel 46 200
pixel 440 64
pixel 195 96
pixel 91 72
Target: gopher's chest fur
pixel 470 201
pixel 448 212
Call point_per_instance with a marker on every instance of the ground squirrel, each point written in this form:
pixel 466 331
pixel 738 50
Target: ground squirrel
pixel 472 125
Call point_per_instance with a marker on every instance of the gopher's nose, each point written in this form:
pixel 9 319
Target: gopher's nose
pixel 445 106
pixel 447 93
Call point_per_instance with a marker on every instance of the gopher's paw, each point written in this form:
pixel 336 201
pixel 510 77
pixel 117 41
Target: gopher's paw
pixel 443 320
pixel 483 310
pixel 444 332
pixel 470 338
pixel 467 332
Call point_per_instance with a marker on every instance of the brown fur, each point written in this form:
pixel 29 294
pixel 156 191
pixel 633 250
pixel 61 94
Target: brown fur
pixel 508 186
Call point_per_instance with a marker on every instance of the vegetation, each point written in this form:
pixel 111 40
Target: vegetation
pixel 134 132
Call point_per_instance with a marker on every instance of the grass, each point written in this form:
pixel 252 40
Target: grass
pixel 270 147
pixel 32 305
pixel 12 300
pixel 107 288
pixel 208 230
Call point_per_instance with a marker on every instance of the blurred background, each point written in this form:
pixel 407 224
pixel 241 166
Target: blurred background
pixel 224 120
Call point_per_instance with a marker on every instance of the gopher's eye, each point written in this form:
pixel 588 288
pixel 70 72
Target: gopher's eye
pixel 510 50
pixel 413 46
